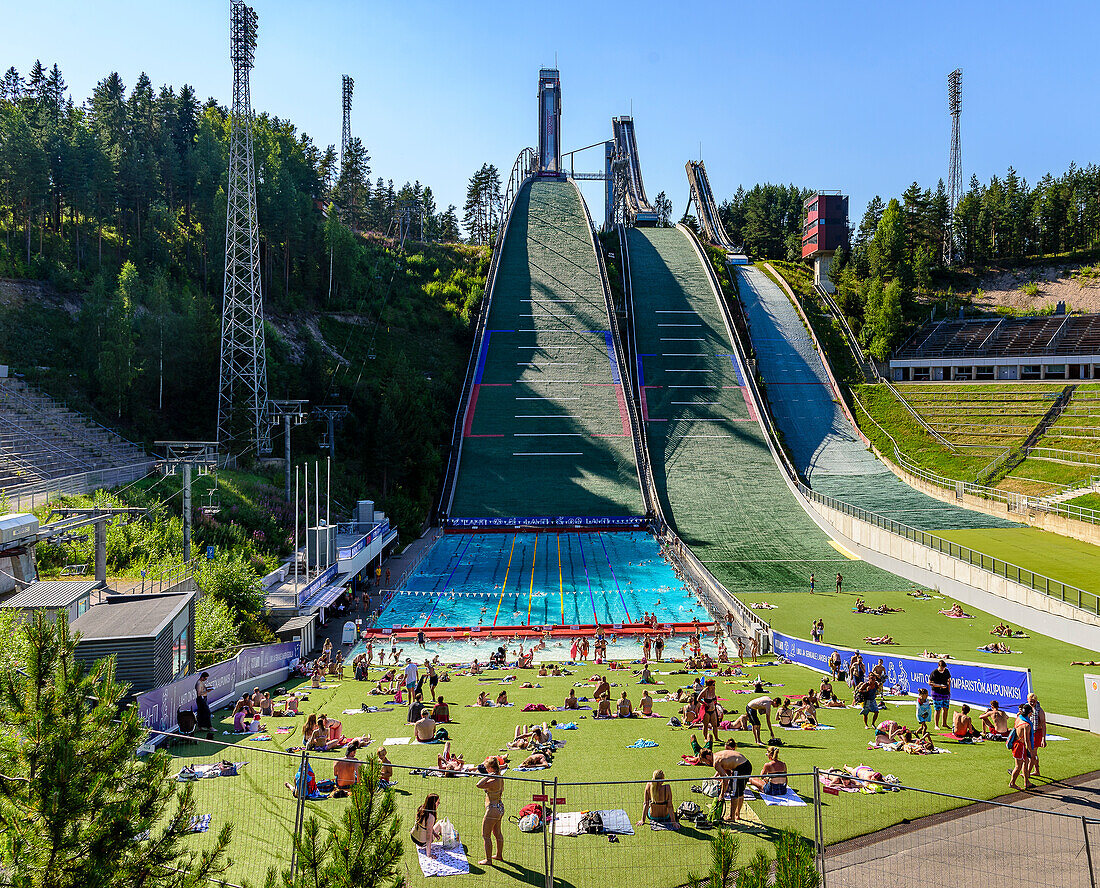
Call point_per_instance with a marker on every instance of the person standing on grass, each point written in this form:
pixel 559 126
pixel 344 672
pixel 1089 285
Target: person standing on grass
pixel 202 707
pixel 1038 720
pixel 839 582
pixel 729 763
pixel 866 693
pixel 1021 748
pixel 811 584
pixel 412 673
pixel 940 682
pixel 924 712
pixel 493 784
pixel 753 710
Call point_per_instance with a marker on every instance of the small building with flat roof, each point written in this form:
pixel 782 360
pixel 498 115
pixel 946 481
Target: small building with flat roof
pixel 49 597
pixel 152 637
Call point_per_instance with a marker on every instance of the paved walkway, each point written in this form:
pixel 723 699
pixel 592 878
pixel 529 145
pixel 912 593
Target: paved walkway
pixel 983 844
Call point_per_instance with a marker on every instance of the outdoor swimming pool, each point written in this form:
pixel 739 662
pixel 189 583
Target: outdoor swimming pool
pixel 536 579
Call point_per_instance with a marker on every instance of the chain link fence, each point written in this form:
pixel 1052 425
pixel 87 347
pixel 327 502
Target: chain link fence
pixel 852 835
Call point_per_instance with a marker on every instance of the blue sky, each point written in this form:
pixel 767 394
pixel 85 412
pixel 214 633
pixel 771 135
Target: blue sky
pixel 832 96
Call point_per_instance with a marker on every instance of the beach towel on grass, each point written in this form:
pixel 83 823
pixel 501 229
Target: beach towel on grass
pixel 444 862
pixel 568 726
pixel 368 709
pixel 816 728
pixel 397 741
pixel 285 730
pixel 1055 738
pixel 199 823
pixel 790 799
pixel 668 825
pixel 642 744
pixel 615 821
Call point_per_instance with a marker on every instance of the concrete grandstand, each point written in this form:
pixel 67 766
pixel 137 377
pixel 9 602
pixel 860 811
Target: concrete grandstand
pixel 1055 346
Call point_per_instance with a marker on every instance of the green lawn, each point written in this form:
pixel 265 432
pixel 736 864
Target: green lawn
pixel 921 627
pixel 262 810
pixel 1068 560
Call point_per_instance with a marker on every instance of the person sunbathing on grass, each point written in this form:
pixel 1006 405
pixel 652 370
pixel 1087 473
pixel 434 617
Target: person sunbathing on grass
pixel 963 725
pixel 319 742
pixel 773 775
pixel 785 716
pixel 886 609
pixel 447 762
pixel 996 647
pixel 527 737
pixel 646 704
pixel 603 708
pixel 1084 663
pixel 916 745
pixel 571 700
pixel 928 655
pixel 535 760
pixel 879 639
pixel 805 714
pixel 954 611
pixel 700 755
pixel 1001 629
pixel 889 730
pixel 995 720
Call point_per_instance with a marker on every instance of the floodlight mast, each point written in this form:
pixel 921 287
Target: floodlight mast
pixel 242 378
pixel 345 136
pixel 954 173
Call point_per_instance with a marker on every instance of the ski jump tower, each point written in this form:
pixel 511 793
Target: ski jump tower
pixel 549 122
pixel 242 377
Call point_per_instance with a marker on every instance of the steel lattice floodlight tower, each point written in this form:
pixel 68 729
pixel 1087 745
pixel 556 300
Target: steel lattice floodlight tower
pixel 954 174
pixel 242 379
pixel 345 136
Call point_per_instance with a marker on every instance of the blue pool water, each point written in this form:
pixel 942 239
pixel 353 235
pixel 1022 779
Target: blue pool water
pixel 542 579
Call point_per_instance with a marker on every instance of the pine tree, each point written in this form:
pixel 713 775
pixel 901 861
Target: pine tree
pixel 360 850
pixel 116 369
pixel 78 808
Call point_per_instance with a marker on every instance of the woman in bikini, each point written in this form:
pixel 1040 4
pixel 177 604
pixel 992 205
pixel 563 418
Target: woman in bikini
pixel 657 805
pixel 493 784
pixel 708 700
pixel 425 828
pixel 1021 747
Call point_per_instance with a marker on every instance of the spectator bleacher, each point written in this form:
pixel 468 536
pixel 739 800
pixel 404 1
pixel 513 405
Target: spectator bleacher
pixel 41 439
pixel 1061 335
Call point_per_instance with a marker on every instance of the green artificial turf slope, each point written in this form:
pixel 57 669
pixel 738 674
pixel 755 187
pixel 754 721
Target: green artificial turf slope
pixel 262 810
pixel 1058 557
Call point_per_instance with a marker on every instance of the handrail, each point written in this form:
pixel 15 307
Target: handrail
pixel 1071 595
pixel 522 171
pixel 870 368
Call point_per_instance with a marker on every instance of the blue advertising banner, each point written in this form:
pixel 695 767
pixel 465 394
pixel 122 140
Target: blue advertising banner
pixel 159 706
pixel 973 683
pixel 552 521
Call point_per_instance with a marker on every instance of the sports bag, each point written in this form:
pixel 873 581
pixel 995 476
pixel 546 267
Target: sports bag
pixel 530 823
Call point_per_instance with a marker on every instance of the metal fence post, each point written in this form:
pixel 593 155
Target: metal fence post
pixel 301 787
pixel 1088 852
pixel 550 872
pixel 546 882
pixel 819 831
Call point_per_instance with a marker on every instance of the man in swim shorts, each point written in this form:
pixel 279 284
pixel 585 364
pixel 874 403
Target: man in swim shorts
pixel 734 770
pixel 753 710
pixel 940 682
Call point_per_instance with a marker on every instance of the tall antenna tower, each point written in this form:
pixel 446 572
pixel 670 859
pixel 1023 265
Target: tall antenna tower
pixel 242 379
pixel 954 174
pixel 345 137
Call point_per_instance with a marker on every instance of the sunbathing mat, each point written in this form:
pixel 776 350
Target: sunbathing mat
pixel 397 741
pixel 790 800
pixel 444 862
pixel 615 821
